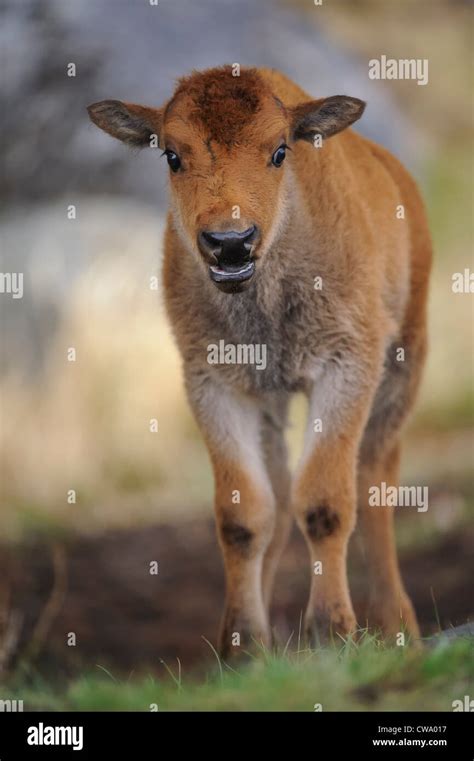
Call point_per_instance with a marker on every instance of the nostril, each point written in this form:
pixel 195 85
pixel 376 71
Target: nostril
pixel 229 247
pixel 211 239
pixel 208 244
pixel 249 235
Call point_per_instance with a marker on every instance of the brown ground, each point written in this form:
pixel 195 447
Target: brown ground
pixel 125 619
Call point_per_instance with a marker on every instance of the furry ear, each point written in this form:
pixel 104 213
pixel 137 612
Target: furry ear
pixel 127 122
pixel 325 117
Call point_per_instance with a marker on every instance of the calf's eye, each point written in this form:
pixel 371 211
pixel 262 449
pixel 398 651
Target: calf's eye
pixel 279 156
pixel 173 160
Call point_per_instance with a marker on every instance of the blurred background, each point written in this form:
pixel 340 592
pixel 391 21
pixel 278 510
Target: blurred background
pixel 81 563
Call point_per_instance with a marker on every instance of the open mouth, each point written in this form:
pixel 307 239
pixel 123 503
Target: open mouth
pixel 231 273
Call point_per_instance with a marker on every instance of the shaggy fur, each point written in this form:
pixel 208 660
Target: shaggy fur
pixel 327 213
pixel 224 104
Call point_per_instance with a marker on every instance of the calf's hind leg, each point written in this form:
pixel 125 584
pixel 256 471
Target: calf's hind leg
pixel 390 609
pixel 379 461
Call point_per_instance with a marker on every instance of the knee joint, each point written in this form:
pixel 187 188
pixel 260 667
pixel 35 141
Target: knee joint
pixel 321 522
pixel 246 534
pixel 236 535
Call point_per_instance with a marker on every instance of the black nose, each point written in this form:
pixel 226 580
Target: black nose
pixel 228 247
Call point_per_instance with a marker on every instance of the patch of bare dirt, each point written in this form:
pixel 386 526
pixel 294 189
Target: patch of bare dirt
pixel 100 589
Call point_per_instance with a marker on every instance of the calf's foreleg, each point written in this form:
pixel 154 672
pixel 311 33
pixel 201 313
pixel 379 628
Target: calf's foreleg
pixel 325 495
pixel 276 462
pixel 244 506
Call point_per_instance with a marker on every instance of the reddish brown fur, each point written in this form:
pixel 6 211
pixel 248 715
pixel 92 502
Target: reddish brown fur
pixel 327 212
pixel 223 106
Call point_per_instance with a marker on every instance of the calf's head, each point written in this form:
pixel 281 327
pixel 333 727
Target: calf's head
pixel 226 139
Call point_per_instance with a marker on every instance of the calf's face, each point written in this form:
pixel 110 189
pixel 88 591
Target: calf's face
pixel 226 158
pixel 226 141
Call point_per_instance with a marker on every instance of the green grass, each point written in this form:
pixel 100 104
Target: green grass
pixel 363 677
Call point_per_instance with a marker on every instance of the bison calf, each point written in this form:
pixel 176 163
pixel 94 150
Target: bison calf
pixel 289 231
